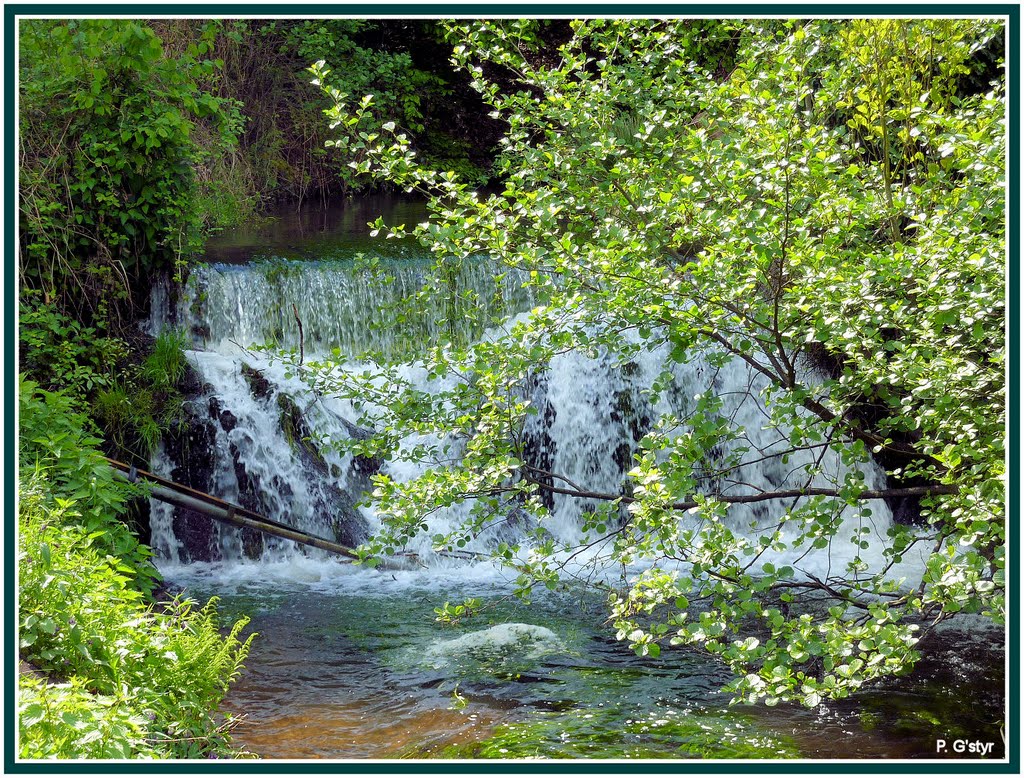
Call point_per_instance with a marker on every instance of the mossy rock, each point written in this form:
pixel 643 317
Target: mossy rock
pixel 297 433
pixel 259 384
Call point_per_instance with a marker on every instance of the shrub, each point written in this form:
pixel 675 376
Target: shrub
pixel 67 721
pixel 61 353
pixel 55 443
pixel 108 160
pixel 141 681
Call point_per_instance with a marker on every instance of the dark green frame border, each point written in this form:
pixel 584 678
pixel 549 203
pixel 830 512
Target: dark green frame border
pixel 12 12
pixel 485 10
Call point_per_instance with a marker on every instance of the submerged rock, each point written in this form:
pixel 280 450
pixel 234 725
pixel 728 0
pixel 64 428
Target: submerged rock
pixel 512 642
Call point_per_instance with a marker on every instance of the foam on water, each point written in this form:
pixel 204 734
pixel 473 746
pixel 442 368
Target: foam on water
pixel 592 412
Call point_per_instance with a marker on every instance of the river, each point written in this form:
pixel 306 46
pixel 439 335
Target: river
pixel 351 663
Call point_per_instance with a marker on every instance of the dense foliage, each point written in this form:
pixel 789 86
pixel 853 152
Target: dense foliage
pixel 107 158
pixel 124 677
pixel 280 155
pixel 833 203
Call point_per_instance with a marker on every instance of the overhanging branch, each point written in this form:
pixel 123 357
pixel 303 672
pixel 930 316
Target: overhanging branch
pixel 738 499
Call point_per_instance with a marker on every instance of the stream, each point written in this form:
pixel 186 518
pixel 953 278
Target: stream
pixel 351 663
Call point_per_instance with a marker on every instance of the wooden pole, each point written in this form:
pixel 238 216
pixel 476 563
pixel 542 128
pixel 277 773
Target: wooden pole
pixel 220 510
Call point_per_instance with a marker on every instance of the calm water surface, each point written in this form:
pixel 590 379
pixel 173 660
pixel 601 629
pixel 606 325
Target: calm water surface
pixel 354 665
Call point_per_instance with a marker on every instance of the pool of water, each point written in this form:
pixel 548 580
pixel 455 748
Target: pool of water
pixel 353 665
pixel 337 229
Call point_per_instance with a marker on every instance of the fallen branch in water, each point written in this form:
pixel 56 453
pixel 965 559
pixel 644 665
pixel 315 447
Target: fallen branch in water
pixel 302 337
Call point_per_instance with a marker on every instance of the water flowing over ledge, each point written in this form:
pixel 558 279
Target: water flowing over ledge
pixel 260 437
pixel 351 663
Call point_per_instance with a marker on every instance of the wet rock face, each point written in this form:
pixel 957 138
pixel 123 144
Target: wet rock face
pixel 191 447
pixel 247 438
pixel 362 465
pixel 259 384
pixel 347 525
pixel 623 408
pixel 228 420
pixel 299 436
pixel 538 446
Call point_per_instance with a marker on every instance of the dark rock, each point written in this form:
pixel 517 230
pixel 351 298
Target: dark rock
pixel 253 543
pixel 362 465
pixel 250 492
pixel 191 446
pixel 197 535
pixel 259 385
pixel 366 466
pixel 623 456
pixel 299 436
pixel 228 420
pixel 190 384
pixel 354 431
pixel 538 446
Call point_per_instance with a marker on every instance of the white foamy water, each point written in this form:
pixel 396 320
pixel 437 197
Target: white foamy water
pixel 266 432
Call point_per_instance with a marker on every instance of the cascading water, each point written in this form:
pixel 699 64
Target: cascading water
pixel 350 662
pixel 593 411
pixel 256 431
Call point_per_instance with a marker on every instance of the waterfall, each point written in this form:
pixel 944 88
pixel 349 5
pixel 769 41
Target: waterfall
pixel 344 305
pixel 255 433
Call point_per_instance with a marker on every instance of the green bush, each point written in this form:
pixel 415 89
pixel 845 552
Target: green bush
pixel 108 159
pixel 127 414
pixel 55 443
pixel 61 353
pixel 133 403
pixel 67 721
pixel 141 681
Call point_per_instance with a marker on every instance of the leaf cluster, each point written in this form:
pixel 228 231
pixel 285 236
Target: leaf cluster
pixel 829 216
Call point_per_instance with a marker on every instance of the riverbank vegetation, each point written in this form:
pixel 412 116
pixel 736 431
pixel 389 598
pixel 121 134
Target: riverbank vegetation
pixel 112 672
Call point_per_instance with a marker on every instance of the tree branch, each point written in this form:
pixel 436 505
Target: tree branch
pixel 739 499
